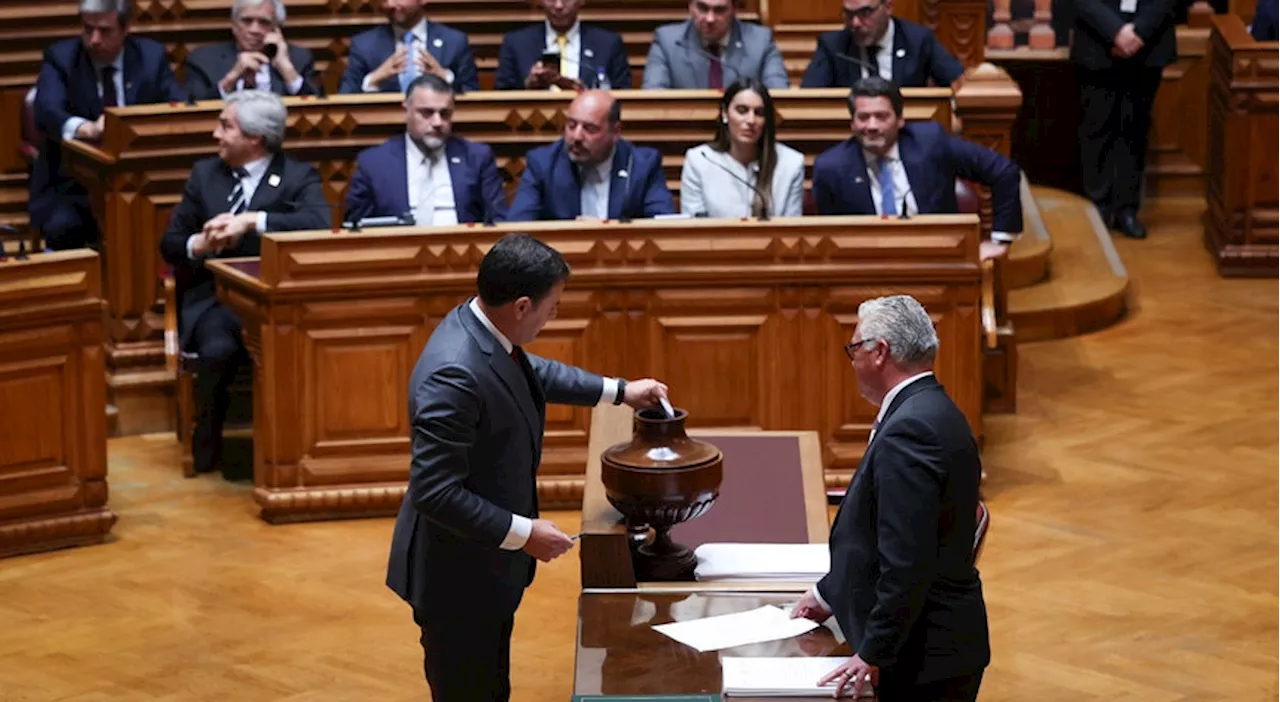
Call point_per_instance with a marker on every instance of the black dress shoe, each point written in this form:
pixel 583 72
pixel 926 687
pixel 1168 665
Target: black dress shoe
pixel 1127 224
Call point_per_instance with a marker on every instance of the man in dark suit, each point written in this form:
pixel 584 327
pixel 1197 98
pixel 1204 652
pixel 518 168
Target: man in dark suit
pixel 891 167
pixel 386 59
pixel 1120 49
pixel 468 532
pixel 1265 20
pixel 440 178
pixel 902 584
pixel 592 172
pixel 105 66
pixel 874 42
pixel 258 58
pixel 229 201
pixel 589 56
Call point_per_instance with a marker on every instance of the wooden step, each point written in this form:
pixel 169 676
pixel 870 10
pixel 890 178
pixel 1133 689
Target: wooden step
pixel 1028 261
pixel 1087 285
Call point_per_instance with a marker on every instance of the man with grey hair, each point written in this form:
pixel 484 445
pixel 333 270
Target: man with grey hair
pixel 902 584
pixel 104 67
pixel 251 187
pixel 258 59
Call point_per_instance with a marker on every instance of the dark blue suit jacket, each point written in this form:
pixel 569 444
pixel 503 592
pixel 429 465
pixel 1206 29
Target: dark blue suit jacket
pixel 68 87
pixel 601 50
pixel 917 57
pixel 933 160
pixel 1265 19
pixel 447 45
pixel 551 188
pixel 380 186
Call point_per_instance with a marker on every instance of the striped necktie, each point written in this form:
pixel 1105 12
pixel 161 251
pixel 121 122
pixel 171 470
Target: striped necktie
pixel 237 197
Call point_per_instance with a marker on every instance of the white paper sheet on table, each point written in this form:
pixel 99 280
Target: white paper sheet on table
pixel 767 562
pixel 781 677
pixel 766 623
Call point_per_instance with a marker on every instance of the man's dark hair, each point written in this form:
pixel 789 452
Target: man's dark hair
pixel 873 87
pixel 428 81
pixel 518 266
pixel 615 113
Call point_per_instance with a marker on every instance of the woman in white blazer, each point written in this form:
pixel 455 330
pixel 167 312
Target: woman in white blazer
pixel 743 172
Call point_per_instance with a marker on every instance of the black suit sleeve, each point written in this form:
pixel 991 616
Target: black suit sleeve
pixel 305 65
pixel 1104 20
pixel 1151 15
pixel 909 478
pixel 619 69
pixel 360 201
pixel 491 190
pixel 508 75
pixel 980 164
pixel 943 67
pixel 200 85
pixel 565 384
pixel 821 72
pixel 466 79
pixel 445 428
pixel 186 219
pixel 309 209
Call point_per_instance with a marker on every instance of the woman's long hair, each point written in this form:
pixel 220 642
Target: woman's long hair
pixel 767 150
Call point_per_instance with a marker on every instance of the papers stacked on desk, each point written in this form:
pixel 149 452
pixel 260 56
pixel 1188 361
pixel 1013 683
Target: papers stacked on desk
pixel 766 623
pixel 782 677
pixel 805 563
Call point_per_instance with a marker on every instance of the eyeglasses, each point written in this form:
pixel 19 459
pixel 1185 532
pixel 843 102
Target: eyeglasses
pixel 852 347
pixel 862 13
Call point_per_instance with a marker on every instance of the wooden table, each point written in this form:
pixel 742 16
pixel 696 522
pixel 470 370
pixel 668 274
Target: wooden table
pixel 53 438
pixel 745 321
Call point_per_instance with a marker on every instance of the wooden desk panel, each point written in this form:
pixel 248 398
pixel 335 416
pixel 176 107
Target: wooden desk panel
pixel 53 440
pixel 336 322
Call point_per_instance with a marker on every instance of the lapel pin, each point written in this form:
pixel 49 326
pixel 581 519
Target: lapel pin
pixel 622 173
pixel 900 53
pixel 588 53
pixel 857 180
pixel 437 43
pixel 454 159
pixel 274 180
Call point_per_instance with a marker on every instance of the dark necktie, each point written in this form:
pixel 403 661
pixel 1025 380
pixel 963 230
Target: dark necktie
pixel 715 72
pixel 251 80
pixel 873 63
pixel 109 97
pixel 517 355
pixel 237 199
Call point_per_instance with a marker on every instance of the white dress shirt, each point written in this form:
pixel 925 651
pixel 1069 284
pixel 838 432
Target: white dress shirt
pixel 595 189
pixel 255 171
pixel 571 59
pixel 522 526
pixel 430 186
pixel 262 81
pixel 901 186
pixel 883 58
pixel 70 126
pixel 884 407
pixel 419 33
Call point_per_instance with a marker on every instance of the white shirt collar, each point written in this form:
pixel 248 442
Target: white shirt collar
pixel 419 30
pixel 873 161
pixel 602 169
pixel 886 41
pixel 116 63
pixel 257 169
pixel 571 35
pixel 889 396
pixel 418 155
pixel 484 320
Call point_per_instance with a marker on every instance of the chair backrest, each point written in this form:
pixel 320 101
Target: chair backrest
pixel 30 147
pixel 980 533
pixel 966 199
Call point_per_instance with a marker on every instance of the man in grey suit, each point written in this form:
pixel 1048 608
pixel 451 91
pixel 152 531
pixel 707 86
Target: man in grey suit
pixel 712 49
pixel 258 59
pixel 468 529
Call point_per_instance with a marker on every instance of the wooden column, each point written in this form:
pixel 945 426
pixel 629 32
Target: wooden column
pixel 53 438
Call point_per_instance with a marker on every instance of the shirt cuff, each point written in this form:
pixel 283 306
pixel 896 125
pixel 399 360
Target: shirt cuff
pixel 518 534
pixel 1003 237
pixel 191 247
pixel 222 93
pixel 818 596
pixel 261 224
pixel 609 392
pixel 294 85
pixel 448 76
pixel 367 85
pixel 70 126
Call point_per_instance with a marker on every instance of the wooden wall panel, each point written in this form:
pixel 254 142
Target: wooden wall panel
pixel 1177 151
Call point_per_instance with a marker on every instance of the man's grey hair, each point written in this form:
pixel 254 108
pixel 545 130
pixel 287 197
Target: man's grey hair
pixel 903 323
pixel 277 5
pixel 261 114
pixel 122 8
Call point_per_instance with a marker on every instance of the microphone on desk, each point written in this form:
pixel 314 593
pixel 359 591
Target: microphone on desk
pixel 709 56
pixel 404 220
pixel 872 69
pixel 764 204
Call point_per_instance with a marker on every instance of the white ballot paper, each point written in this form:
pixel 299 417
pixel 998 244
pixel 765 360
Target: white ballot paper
pixel 767 623
pixel 769 562
pixel 782 677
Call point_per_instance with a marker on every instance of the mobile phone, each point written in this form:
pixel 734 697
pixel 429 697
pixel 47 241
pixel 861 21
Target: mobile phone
pixel 551 59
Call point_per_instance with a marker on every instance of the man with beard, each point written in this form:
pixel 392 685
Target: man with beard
pixel 712 49
pixel 592 172
pixel 440 178
pixel 386 59
pixel 258 59
pixel 893 168
pixel 875 43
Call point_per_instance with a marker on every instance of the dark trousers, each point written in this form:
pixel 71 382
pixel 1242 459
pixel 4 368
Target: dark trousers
pixel 1115 119
pixel 466 655
pixel 904 688
pixel 216 339
pixel 70 225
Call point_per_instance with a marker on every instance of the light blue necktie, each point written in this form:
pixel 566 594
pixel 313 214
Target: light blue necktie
pixel 590 192
pixel 410 71
pixel 888 198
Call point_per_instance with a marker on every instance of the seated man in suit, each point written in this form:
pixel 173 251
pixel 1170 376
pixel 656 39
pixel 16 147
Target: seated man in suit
pixel 890 167
pixel 229 201
pixel 105 66
pixel 590 56
pixel 258 58
pixel 874 42
pixel 712 49
pixel 440 178
pixel 386 59
pixel 1265 20
pixel 592 172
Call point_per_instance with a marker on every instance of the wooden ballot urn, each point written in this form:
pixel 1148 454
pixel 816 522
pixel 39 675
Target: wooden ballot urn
pixel 660 479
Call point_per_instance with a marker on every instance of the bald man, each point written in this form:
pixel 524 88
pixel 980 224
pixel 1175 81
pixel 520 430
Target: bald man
pixel 592 172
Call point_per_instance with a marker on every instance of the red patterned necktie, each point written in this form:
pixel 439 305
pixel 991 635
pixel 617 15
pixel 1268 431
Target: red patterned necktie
pixel 715 72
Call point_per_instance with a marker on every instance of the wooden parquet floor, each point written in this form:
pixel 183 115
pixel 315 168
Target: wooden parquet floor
pixel 1132 556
